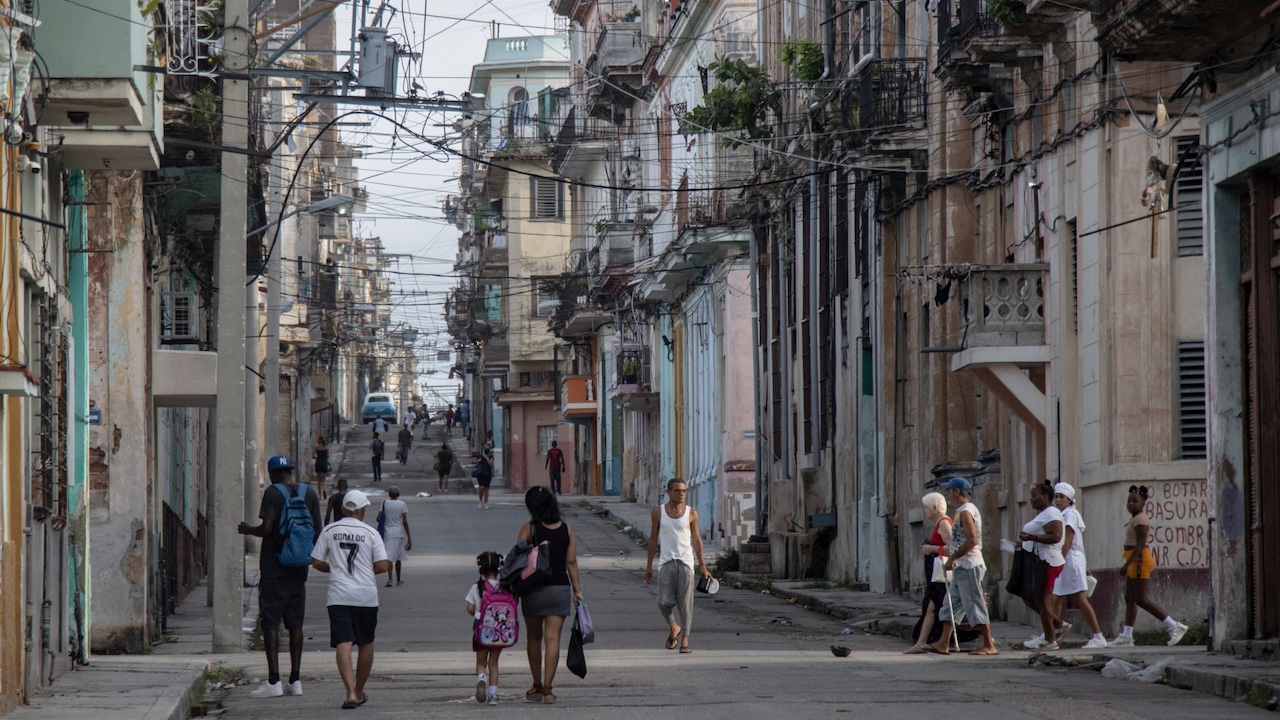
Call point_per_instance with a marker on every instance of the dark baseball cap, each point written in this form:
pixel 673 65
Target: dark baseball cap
pixel 957 483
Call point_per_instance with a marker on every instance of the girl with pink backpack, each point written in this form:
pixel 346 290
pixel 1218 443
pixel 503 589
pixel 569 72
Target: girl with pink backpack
pixel 495 624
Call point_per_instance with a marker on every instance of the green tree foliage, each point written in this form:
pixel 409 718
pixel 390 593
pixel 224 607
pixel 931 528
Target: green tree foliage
pixel 739 105
pixel 804 57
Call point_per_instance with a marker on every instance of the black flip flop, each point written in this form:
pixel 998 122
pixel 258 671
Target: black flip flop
pixel 350 705
pixel 364 699
pixel 672 641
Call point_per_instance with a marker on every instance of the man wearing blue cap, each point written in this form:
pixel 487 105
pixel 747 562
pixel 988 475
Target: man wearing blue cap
pixel 282 584
pixel 968 567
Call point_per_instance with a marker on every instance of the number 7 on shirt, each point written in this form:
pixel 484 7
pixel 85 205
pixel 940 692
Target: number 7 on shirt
pixel 352 549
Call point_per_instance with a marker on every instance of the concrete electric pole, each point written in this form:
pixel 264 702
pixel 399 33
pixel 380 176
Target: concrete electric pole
pixel 227 571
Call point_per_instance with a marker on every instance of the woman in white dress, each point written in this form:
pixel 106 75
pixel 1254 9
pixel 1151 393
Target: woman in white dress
pixel 395 516
pixel 1073 584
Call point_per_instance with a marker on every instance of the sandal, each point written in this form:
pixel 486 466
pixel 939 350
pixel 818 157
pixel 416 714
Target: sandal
pixel 548 697
pixel 685 649
pixel 672 641
pixel 533 694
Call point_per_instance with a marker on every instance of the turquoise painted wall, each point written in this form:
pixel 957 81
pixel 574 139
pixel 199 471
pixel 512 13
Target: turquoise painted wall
pixel 78 505
pixel 664 370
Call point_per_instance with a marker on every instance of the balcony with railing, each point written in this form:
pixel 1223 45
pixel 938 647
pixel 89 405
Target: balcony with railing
pixel 578 398
pixel 1182 30
pixel 617 64
pixel 495 357
pixel 1004 342
pixel 893 101
pixel 634 389
pixel 581 139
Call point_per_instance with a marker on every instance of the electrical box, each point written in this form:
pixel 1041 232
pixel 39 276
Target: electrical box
pixel 374 58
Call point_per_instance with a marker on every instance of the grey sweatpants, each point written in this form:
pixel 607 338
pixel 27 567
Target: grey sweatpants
pixel 675 593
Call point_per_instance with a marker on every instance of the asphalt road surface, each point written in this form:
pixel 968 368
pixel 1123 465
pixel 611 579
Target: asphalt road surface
pixel 754 655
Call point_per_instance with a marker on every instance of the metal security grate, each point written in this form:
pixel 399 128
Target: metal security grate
pixel 1192 434
pixel 1188 199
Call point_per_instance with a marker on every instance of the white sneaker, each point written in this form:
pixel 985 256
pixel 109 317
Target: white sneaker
pixel 1121 641
pixel 1096 643
pixel 482 686
pixel 1176 633
pixel 293 688
pixel 1042 646
pixel 1034 643
pixel 1062 631
pixel 267 690
pixel 493 698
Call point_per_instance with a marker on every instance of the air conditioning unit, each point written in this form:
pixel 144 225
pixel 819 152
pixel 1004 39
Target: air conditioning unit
pixel 547 307
pixel 179 318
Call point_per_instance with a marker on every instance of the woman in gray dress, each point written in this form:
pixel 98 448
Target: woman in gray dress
pixel 546 608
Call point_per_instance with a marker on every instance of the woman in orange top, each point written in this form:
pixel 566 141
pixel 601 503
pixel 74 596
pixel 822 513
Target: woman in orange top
pixel 1137 568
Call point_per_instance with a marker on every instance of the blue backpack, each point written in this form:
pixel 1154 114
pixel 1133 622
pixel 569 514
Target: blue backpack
pixel 297 528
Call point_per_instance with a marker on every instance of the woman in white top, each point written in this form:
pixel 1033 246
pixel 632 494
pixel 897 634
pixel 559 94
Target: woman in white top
pixel 395 516
pixel 1073 583
pixel 1043 535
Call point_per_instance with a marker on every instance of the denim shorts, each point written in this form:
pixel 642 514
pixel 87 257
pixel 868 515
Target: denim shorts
pixel 966 599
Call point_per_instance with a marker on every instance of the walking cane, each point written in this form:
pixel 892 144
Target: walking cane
pixel 946 576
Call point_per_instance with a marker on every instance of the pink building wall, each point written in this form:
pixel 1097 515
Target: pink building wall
pixel 527 466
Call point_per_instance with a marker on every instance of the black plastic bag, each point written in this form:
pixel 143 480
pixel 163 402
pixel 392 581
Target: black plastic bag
pixel 576 660
pixel 1026 580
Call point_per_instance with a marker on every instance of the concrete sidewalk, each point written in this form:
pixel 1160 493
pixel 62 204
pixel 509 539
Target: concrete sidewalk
pixel 1244 679
pixel 123 687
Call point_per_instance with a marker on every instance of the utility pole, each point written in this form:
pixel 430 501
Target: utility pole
pixel 227 573
pixel 271 423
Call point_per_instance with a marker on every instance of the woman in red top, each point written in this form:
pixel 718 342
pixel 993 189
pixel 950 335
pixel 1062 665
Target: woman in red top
pixel 938 545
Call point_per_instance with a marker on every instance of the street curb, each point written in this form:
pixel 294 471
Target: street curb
pixel 189 687
pixel 873 621
pixel 1223 684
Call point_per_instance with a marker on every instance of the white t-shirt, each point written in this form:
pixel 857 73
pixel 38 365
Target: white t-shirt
pixel 393 512
pixel 1048 552
pixel 973 558
pixel 473 595
pixel 351 548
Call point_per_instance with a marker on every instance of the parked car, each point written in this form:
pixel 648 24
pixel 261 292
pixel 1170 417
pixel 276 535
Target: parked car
pixel 378 405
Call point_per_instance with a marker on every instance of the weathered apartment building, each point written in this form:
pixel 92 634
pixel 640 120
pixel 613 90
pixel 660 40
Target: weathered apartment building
pixel 111 209
pixel 513 213
pixel 984 238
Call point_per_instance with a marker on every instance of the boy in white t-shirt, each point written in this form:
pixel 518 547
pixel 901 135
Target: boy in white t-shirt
pixel 352 553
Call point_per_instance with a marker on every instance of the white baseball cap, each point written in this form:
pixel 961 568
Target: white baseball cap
pixel 354 500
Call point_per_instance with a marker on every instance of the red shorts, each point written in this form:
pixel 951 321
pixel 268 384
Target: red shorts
pixel 1051 575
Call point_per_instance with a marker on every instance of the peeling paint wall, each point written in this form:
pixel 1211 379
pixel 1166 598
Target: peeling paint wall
pixel 121 510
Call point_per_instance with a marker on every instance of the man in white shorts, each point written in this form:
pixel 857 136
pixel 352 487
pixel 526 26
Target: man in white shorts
pixel 352 553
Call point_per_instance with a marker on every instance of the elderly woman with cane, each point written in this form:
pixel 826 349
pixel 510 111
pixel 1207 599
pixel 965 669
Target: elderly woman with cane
pixel 965 591
pixel 936 548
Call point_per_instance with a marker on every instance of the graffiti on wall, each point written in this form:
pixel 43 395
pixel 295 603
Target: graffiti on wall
pixel 1179 512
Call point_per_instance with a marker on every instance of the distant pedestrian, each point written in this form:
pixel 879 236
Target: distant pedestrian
pixel 353 555
pixel 448 421
pixel 379 426
pixel 936 546
pixel 1072 585
pixel 1043 536
pixel 377 447
pixel 405 442
pixel 464 418
pixel 444 466
pixel 968 567
pixel 487 447
pixel 411 418
pixel 399 541
pixel 546 608
pixel 555 466
pixel 674 538
pixel 333 510
pixel 482 471
pixel 494 626
pixel 1138 565
pixel 321 455
pixel 282 577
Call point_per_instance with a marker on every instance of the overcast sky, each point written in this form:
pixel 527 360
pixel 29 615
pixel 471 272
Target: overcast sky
pixel 406 188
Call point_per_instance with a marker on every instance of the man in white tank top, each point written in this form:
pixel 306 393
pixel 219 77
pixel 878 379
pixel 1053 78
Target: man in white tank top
pixel 675 530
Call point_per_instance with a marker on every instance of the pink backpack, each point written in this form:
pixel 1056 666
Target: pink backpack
pixel 499 625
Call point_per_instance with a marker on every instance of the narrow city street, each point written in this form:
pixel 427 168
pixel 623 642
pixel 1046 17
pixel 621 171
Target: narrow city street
pixel 755 656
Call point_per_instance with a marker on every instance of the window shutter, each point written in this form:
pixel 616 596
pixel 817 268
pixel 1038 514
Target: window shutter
pixel 1187 198
pixel 546 193
pixel 1193 436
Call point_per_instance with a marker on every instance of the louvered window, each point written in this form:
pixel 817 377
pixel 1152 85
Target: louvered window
pixel 1187 198
pixel 1193 438
pixel 547 198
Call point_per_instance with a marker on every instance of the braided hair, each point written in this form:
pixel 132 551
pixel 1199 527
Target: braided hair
pixel 489 563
